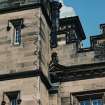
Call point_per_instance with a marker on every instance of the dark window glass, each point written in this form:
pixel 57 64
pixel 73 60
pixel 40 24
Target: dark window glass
pixel 91 102
pixel 18 35
pixel 85 102
pixel 18 25
pixel 14 101
pixel 14 97
pixel 97 102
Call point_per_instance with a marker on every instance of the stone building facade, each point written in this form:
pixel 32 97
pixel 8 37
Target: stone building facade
pixel 25 29
pixel 41 58
pixel 79 71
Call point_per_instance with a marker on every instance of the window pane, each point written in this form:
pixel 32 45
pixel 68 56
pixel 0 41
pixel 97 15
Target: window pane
pixel 97 102
pixel 13 102
pixel 85 102
pixel 18 35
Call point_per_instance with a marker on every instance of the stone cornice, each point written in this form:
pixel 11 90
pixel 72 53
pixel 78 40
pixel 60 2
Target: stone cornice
pixel 60 73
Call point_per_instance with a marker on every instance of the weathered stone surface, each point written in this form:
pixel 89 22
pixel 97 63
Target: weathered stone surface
pixel 23 85
pixel 45 50
pixel 19 58
pixel 26 57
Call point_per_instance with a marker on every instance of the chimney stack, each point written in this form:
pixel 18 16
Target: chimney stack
pixel 102 27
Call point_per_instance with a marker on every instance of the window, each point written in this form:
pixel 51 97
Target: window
pixel 13 101
pixel 14 97
pixel 91 99
pixel 84 98
pixel 17 37
pixel 18 25
pixel 91 102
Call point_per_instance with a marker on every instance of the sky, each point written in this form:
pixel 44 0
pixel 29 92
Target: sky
pixel 91 14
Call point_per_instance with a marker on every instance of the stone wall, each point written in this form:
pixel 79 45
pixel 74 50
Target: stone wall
pixel 25 56
pixel 33 52
pixel 55 99
pixel 44 95
pixel 45 50
pixel 32 91
pixel 88 85
pixel 28 90
pixel 81 86
pixel 68 55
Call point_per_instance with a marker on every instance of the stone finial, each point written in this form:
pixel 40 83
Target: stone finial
pixel 102 27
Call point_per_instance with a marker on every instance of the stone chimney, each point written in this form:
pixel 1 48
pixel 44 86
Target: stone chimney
pixel 102 27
